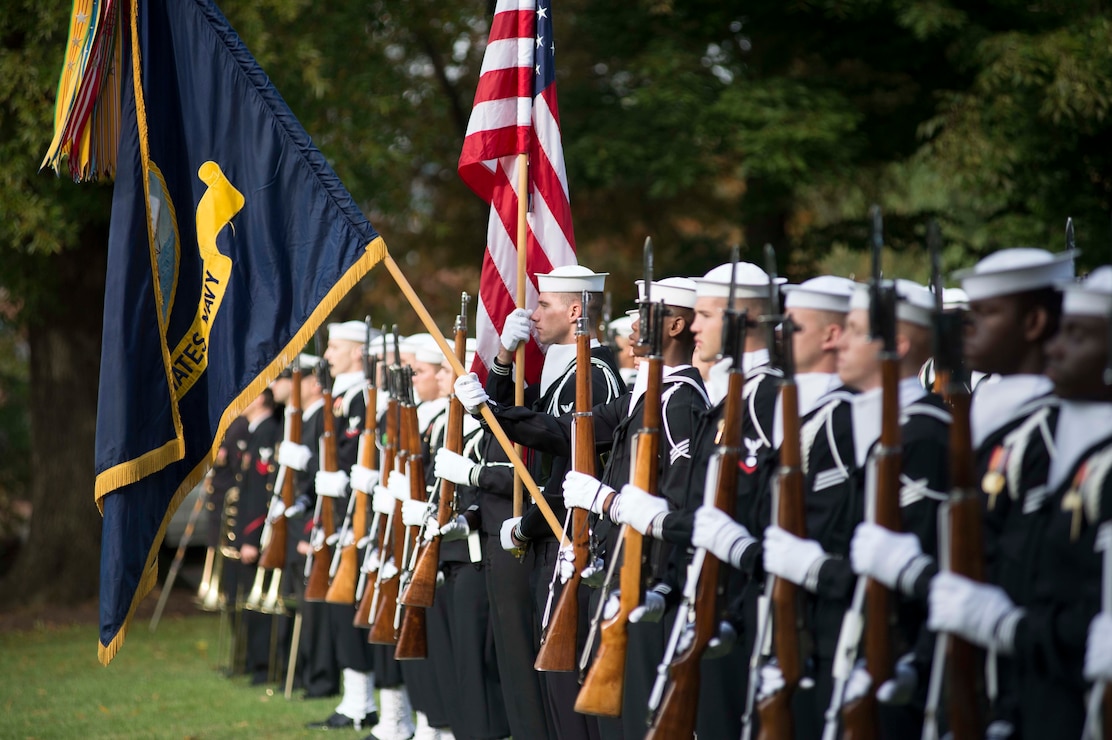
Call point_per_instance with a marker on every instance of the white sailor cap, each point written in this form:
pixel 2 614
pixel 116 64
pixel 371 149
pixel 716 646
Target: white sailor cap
pixel 622 326
pixel 305 362
pixel 1018 270
pixel 674 291
pixel 751 282
pixel 954 298
pixel 351 331
pixel 571 279
pixel 1090 297
pixel 914 304
pixel 376 344
pixel 470 346
pixel 425 349
pixel 823 293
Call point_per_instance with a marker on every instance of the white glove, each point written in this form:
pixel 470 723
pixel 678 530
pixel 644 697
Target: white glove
pixel 372 562
pixel 516 329
pixel 981 613
pixel 723 642
pixel 457 529
pixel 293 455
pixel 1098 650
pixel 792 558
pixel 414 512
pixel 454 467
pixel 771 681
pixel 505 535
pixel 999 730
pixel 565 563
pixel 363 479
pixel 332 484
pixel 858 683
pixel 382 502
pixel 717 531
pixel 718 645
pixel 277 508
pixel 389 570
pixel 882 554
pixel 470 392
pixel 432 527
pixel 899 689
pixel 594 574
pixel 639 509
pixel 613 602
pixel 582 491
pixel 650 611
pixel 398 485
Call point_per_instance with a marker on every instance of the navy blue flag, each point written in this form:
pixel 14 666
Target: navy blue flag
pixel 231 241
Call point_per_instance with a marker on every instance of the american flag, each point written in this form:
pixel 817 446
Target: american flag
pixel 515 112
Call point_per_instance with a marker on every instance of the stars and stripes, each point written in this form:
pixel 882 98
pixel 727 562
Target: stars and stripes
pixel 515 112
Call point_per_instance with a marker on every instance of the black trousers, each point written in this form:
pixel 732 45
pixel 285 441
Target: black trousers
pixel 516 636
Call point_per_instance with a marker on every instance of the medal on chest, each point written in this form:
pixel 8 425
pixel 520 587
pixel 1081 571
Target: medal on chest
pixel 1072 501
pixel 994 481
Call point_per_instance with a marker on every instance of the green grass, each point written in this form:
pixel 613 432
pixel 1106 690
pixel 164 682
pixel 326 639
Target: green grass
pixel 159 686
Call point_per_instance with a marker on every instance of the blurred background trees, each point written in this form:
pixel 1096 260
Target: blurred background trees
pixel 702 123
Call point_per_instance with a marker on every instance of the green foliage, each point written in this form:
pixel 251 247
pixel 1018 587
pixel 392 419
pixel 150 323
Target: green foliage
pixel 162 685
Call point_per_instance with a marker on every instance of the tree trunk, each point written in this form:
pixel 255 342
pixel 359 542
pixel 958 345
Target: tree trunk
pixel 60 561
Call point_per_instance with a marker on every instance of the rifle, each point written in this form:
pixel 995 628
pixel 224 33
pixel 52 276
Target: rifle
pixel 412 638
pixel 346 570
pixel 285 488
pixel 274 533
pixel 775 711
pixel 559 642
pixel 386 587
pixel 674 699
pixel 422 585
pixel 319 560
pixel 860 718
pixel 601 693
pixel 965 554
pixel 375 540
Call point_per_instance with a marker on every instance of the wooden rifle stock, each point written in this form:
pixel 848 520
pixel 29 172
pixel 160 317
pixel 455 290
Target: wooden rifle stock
pixel 676 716
pixel 775 711
pixel 559 642
pixel 317 587
pixel 601 693
pixel 342 589
pixel 274 554
pixel 412 638
pixel 964 660
pixel 390 537
pixel 421 590
pixel 860 717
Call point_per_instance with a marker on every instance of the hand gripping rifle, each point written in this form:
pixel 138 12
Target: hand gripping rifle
pixel 860 717
pixel 559 642
pixel 601 693
pixel 386 583
pixel 319 560
pixel 372 551
pixel 346 567
pixel 275 531
pixel 775 711
pixel 675 695
pixel 961 547
pixel 422 584
pixel 412 636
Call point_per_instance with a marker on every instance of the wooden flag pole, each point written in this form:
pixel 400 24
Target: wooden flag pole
pixel 522 256
pixel 488 415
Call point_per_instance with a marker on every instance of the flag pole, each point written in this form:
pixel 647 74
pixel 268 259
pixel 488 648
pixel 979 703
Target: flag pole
pixel 522 256
pixel 488 415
